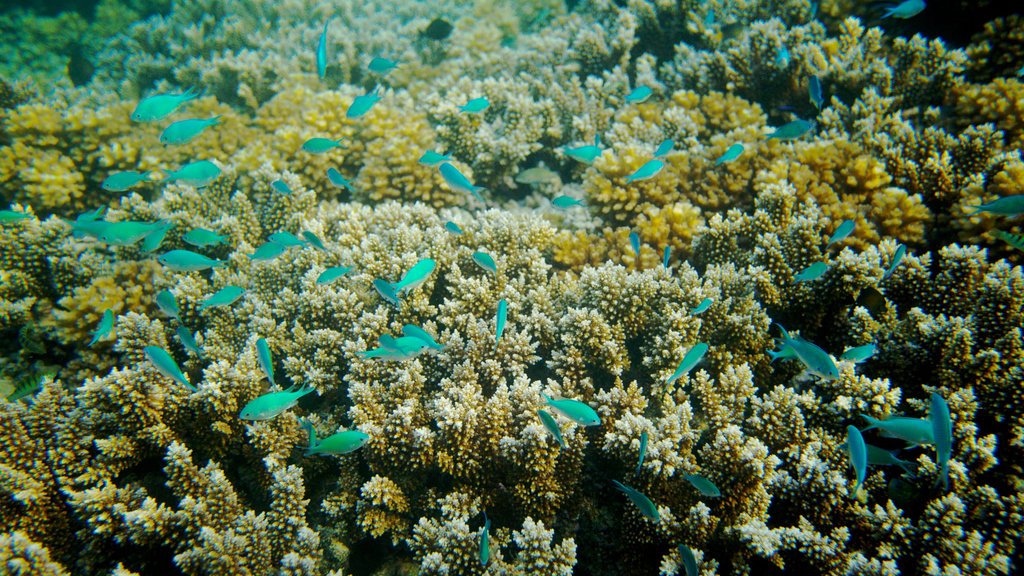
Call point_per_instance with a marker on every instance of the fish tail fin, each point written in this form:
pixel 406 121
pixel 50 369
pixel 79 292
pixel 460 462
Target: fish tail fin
pixel 215 120
pixel 977 210
pixel 872 422
pixel 476 190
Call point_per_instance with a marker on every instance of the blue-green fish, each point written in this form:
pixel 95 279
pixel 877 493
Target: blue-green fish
pixel 159 106
pixel 417 332
pixel 634 243
pixel 264 359
pixel 816 360
pixel 339 181
pixel 387 292
pixel 184 131
pixel 690 360
pixel 552 427
pixel 942 431
pixel 167 304
pixel 913 430
pixel 574 410
pixel 416 276
pixel 338 444
pixel 859 353
pixel 104 327
pixel 500 320
pixel 475 106
pixel 901 251
pixel 382 66
pixel 643 503
pixel 858 456
pixel 363 103
pixel 269 405
pixel 639 94
pixel 643 451
pixel 782 58
pixel 121 181
pixel 165 364
pixel 321 145
pixel 453 228
pixel 281 186
pixel 812 272
pixel 485 543
pixel 332 274
pixel 664 148
pixel 1015 240
pixel 188 341
pixel 197 174
pixel 397 349
pixel 285 238
pixel 732 153
pixel 688 559
pixel 458 182
pixel 431 158
pixel 1006 206
pixel 814 92
pixel 665 257
pixel 268 251
pixel 187 261
pixel 844 229
pixel 226 296
pixel 647 171
pixel 154 239
pixel 12 216
pixel 564 202
pixel 321 53
pixel 703 485
pixel 702 307
pixel 880 457
pixel 905 9
pixel 127 232
pixel 793 130
pixel 201 237
pixel 587 153
pixel 313 240
pixel 484 260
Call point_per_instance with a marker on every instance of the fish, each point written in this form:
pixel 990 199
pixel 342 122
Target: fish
pixel 363 103
pixel 475 106
pixel 1005 206
pixel 858 457
pixel 905 9
pixel 122 181
pixel 453 228
pixel 458 182
pixel 912 430
pixel 1015 240
pixel 226 296
pixel 187 261
pixel 942 432
pixel 431 158
pixel 665 257
pixel 690 360
pixel 485 543
pixel 703 485
pixel 397 349
pixel 104 327
pixel 816 360
pixel 901 251
pixel 438 29
pixel 188 341
pixel 167 304
pixel 382 66
pixel 286 238
pixel 338 444
pixel 881 457
pixel 664 148
pixel 159 106
pixel 12 216
pixel 702 307
pixel 552 427
pixel 321 53
pixel 574 410
pixel 387 292
pixel 642 503
pixel 331 274
pixel 201 237
pixel 732 153
pixel 793 130
pixel 184 131
pixel 264 359
pixel 198 174
pixel 415 276
pixel 564 202
pixel 313 240
pixel 810 273
pixel 689 561
pixel 321 145
pixel 643 451
pixel 268 251
pixel 26 387
pixel 269 405
pixel 639 94
pixel 281 186
pixel 152 241
pixel 634 243
pixel 844 229
pixel 500 321
pixel 127 232
pixel 485 261
pixel 647 171
pixel 859 354
pixel 417 332
pixel 782 58
pixel 538 175
pixel 587 153
pixel 814 92
pixel 165 364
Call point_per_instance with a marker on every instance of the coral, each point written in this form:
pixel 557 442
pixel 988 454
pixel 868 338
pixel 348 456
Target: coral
pixel 998 50
pixel 1000 102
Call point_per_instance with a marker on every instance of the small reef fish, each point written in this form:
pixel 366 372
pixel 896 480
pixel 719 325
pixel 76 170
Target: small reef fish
pixel 363 103
pixel 844 229
pixel 104 327
pixel 731 154
pixel 12 216
pixel 858 457
pixel 814 92
pixel 167 304
pixel 634 243
pixel 197 174
pixel 397 349
pixel 416 332
pixel 912 430
pixel 286 239
pixel 642 503
pixel 643 451
pixel 281 186
pixel 265 360
pixel 159 106
pixel 154 239
pixel 942 431
pixel 690 360
pixel 127 232
pixel 339 181
pixel 793 130
pixel 688 559
pixel 438 29
pixel 321 145
pixel 475 106
pixel 416 276
pixel 703 485
pixel 905 9
pixel 484 260
pixel 313 240
pixel 184 131
pixel 859 354
pixel 666 256
pixel 382 66
pixel 1005 206
pixel 458 182
pixel 201 238
pixel 816 360
pixel 880 457
pixel 647 171
pixel 387 292
pixel 485 541
pixel 337 444
pixel 782 58
pixel 702 307
pixel 431 158
pixel 331 274
pixel 552 427
pixel 453 228
pixel 188 341
pixel 268 251
pixel 321 53
pixel 226 296
pixel 1015 240
pixel 269 405
pixel 500 321
pixel 664 148
pixel 165 364
pixel 639 94
pixel 122 181
pixel 538 175
pixel 812 272
pixel 587 153
pixel 901 251
pixel 187 261
pixel 564 202
pixel 574 410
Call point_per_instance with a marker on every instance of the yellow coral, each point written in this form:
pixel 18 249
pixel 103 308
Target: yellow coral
pixel 1000 102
